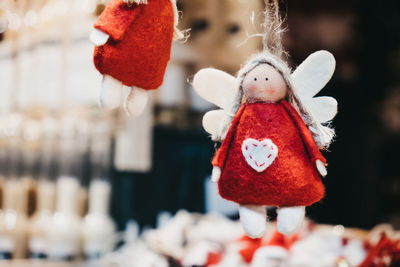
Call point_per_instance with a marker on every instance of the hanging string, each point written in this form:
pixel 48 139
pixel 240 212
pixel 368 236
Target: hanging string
pixel 273 28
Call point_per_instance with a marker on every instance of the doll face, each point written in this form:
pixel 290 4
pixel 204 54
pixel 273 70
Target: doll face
pixel 264 83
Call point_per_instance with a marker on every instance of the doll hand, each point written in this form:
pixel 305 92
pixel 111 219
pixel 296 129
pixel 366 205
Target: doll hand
pixel 321 168
pixel 216 174
pixel 98 37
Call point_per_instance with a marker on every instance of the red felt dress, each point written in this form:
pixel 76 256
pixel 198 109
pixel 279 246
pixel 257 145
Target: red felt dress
pixel 291 178
pixel 139 47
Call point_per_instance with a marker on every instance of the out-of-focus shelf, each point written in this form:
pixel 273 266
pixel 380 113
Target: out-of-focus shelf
pixel 41 263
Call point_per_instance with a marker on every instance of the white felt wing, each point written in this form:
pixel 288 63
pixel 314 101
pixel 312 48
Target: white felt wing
pixel 314 73
pixel 322 108
pixel 309 78
pixel 212 121
pixel 221 89
pixel 217 87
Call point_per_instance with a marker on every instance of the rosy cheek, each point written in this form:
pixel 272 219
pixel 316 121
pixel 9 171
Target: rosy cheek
pixel 271 91
pixel 252 88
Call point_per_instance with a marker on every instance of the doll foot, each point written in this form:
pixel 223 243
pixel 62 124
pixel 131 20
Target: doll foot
pixel 136 101
pixel 254 220
pixel 289 219
pixel 111 93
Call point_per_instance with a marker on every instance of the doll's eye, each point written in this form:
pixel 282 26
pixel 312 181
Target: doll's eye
pixel 266 79
pixel 255 79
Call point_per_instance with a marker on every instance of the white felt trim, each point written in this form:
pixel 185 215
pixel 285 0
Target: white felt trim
pixel 314 73
pixel 259 154
pixel 253 219
pixel 290 219
pixel 98 37
pixel 321 168
pixel 217 87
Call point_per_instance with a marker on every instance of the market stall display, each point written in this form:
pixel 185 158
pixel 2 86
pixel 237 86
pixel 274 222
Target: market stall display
pixel 188 240
pixel 85 186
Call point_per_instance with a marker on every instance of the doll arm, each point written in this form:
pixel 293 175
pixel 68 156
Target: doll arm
pixel 219 158
pixel 308 140
pixel 98 37
pixel 116 19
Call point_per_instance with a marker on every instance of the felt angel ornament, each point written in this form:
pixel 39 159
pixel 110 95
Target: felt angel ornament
pixel 272 129
pixel 133 41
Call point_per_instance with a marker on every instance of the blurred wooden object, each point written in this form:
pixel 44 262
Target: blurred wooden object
pixel 220 30
pixel 13 221
pixel 134 141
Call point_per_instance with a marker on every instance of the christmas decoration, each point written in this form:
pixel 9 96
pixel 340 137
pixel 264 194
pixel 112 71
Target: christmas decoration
pixel 272 129
pixel 133 41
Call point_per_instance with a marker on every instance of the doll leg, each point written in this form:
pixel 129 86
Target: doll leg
pixel 254 220
pixel 289 219
pixel 111 92
pixel 136 101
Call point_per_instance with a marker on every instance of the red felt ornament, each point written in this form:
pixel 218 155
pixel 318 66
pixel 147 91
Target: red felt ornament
pixel 299 182
pixel 272 129
pixel 133 45
pixel 260 250
pixel 385 253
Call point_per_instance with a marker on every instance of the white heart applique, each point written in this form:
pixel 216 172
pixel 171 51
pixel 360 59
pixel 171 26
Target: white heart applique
pixel 259 154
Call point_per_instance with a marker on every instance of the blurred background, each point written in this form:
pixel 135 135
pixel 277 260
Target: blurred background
pixel 61 154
